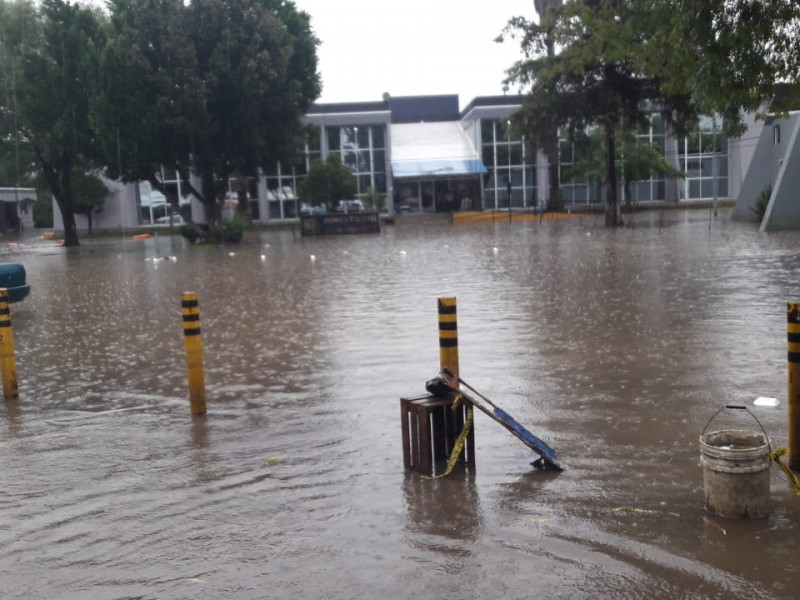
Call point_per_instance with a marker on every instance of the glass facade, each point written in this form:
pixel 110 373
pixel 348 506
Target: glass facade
pixel 363 150
pixel 284 181
pixel 504 156
pixel 703 157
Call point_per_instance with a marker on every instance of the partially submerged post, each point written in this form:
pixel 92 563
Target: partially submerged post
pixel 793 332
pixel 8 365
pixel 190 306
pixel 431 424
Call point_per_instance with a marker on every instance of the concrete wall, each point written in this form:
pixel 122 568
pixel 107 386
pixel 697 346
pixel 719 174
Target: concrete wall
pixel 783 211
pixel 118 212
pixel 757 159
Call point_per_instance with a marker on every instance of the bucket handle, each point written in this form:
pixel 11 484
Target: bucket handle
pixel 747 410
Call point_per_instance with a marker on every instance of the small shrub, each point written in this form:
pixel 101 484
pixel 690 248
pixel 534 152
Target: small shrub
pixel 233 229
pixel 762 202
pixel 192 232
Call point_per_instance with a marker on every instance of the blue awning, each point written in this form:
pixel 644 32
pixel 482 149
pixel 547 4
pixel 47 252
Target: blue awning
pixel 433 150
pixel 437 168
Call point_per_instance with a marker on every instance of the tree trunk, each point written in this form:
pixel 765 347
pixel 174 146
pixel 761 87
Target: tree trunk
pixel 613 208
pixel 554 200
pixel 70 229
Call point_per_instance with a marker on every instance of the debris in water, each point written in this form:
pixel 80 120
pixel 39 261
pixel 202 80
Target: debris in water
pixel 272 460
pixel 765 401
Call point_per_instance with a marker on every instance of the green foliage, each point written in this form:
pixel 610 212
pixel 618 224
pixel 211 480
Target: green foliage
pixel 328 182
pixel 211 87
pixel 43 211
pixel 233 229
pixel 50 73
pixel 619 58
pixel 374 200
pixel 762 202
pixel 192 232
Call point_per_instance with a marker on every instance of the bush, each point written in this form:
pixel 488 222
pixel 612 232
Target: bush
pixel 43 211
pixel 192 232
pixel 762 202
pixel 233 229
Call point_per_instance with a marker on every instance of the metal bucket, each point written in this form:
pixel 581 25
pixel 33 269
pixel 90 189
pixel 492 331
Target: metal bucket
pixel 736 471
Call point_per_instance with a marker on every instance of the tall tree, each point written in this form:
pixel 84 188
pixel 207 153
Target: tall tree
pixel 224 84
pixel 51 100
pixel 594 79
pixel 538 37
pixel 619 59
pixel 20 28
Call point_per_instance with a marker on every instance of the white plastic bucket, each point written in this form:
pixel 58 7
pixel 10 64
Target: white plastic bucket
pixel 736 473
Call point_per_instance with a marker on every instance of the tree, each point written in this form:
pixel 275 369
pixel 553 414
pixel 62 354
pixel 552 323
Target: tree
pixel 328 182
pixel 220 87
pixel 541 36
pixel 685 58
pixel 595 79
pixel 50 103
pixel 19 28
pixel 90 194
pixel 636 160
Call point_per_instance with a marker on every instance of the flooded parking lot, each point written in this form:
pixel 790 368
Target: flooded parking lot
pixel 615 347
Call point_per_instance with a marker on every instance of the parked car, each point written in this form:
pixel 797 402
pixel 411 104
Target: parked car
pixel 350 206
pixel 176 220
pixel 307 209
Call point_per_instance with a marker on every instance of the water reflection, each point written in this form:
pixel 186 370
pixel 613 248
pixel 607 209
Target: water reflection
pixel 613 347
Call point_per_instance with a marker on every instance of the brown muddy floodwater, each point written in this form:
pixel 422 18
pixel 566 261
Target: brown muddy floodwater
pixel 615 347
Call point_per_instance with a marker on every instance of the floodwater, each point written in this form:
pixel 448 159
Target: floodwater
pixel 615 347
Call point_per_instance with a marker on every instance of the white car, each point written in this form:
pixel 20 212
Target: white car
pixel 350 206
pixel 176 220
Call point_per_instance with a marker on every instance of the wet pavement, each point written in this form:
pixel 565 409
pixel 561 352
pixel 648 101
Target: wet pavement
pixel 615 347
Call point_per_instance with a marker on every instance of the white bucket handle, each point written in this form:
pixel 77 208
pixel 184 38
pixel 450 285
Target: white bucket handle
pixel 739 407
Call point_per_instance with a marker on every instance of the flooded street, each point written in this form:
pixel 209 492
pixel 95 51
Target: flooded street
pixel 615 347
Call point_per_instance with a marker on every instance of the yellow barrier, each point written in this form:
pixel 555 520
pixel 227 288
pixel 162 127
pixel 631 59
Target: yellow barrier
pixel 190 306
pixel 448 335
pixel 793 332
pixel 8 365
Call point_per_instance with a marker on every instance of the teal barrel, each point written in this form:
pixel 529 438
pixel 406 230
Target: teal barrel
pixel 12 277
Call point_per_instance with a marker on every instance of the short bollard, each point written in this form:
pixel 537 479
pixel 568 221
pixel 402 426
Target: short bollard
pixel 8 364
pixel 190 306
pixel 793 332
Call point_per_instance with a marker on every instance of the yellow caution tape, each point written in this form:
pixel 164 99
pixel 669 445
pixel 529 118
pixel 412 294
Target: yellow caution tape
pixel 462 437
pixel 776 456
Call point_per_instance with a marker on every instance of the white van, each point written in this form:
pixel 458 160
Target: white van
pixel 350 206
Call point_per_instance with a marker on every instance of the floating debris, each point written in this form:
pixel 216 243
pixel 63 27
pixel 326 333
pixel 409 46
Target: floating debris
pixel 765 401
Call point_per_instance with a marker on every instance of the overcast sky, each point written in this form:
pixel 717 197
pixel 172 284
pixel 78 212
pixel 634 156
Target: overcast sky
pixel 413 47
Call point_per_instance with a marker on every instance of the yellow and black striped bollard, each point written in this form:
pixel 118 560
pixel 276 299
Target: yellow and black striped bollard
pixel 448 336
pixel 190 306
pixel 793 331
pixel 8 364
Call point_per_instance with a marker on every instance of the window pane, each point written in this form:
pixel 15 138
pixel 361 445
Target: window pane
pixel 657 122
pixel 380 183
pixel 378 136
pixel 350 160
pixel 334 139
pixel 363 161
pixel 488 156
pixel 502 155
pixel 312 139
pixel 362 133
pixel 364 183
pixel 379 158
pixel 516 154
